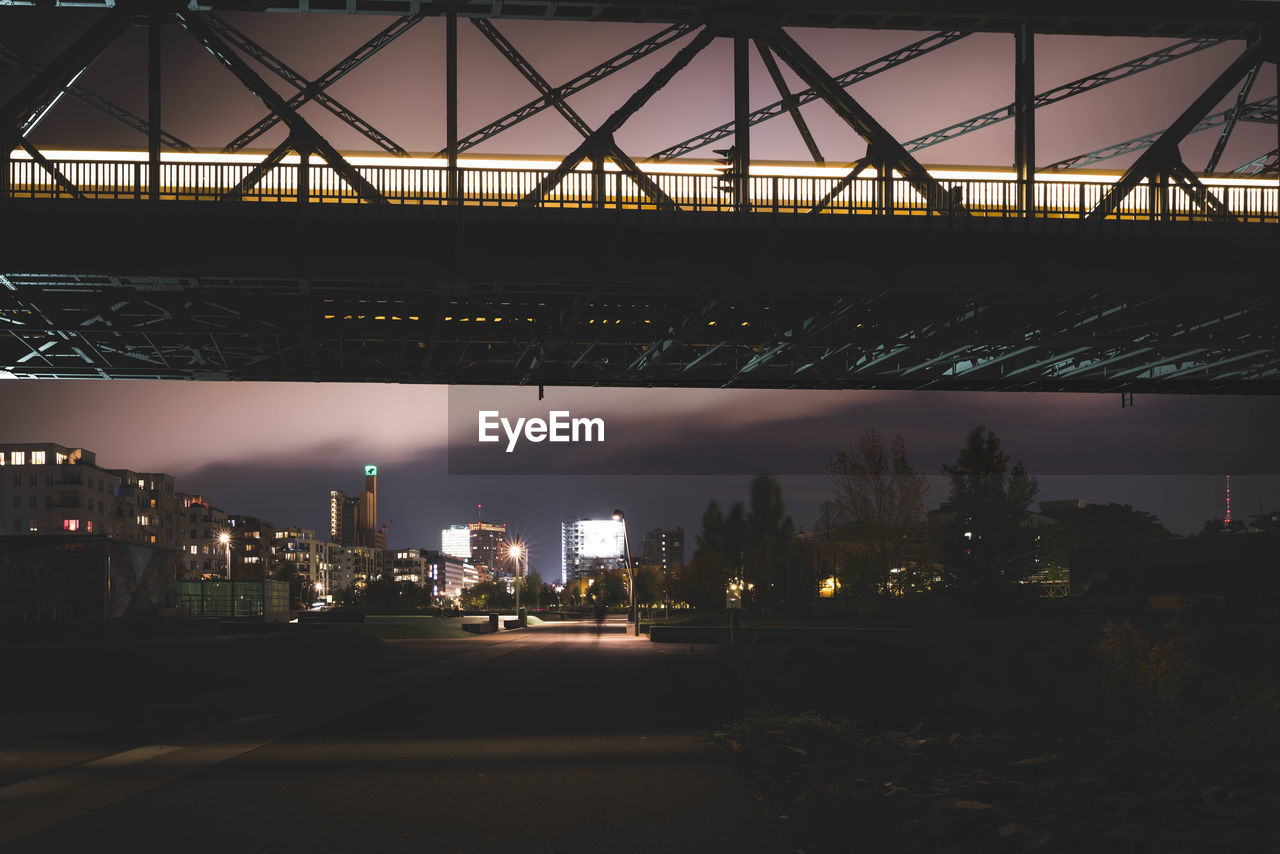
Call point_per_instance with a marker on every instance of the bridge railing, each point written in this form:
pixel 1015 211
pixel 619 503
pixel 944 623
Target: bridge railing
pixel 429 185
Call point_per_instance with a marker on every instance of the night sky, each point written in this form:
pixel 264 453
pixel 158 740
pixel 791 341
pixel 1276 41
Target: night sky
pixel 276 450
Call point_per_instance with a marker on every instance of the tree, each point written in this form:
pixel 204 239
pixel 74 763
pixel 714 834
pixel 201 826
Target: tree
pixel 767 542
pixel 988 543
pixel 702 583
pixel 880 498
pixel 1099 525
pixel 648 585
pixel 531 589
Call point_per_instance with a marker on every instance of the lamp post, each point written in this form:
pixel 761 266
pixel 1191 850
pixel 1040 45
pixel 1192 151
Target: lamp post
pixel 632 616
pixel 518 552
pixel 224 539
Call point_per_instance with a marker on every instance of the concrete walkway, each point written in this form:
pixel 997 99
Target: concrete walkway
pixel 557 738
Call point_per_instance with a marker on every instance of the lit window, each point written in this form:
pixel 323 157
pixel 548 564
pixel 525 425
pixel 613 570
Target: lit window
pixel 37 458
pixel 70 524
pixel 144 520
pixel 17 458
pixel 60 458
pixel 88 526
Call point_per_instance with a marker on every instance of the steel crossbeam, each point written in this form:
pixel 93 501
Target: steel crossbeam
pixel 1163 154
pixel 1063 92
pixel 587 78
pixel 301 131
pixel 16 60
pixel 602 138
pixel 315 90
pixel 886 148
pixel 799 99
pixel 1262 111
pixel 628 166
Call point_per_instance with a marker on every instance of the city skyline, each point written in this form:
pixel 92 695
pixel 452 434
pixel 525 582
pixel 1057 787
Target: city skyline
pixel 1165 455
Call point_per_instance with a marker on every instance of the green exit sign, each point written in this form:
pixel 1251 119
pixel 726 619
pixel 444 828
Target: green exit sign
pixel 370 471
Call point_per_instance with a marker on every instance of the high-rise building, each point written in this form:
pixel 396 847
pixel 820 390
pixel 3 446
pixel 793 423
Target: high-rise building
pixel 664 548
pixel 353 520
pixel 488 548
pixel 588 546
pixel 455 540
pixel 482 544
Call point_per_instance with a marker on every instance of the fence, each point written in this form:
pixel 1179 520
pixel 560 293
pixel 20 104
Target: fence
pixel 430 185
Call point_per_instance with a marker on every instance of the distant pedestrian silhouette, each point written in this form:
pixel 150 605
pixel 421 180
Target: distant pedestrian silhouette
pixel 601 611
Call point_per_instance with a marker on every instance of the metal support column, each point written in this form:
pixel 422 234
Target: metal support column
pixel 153 108
pixel 451 101
pixel 6 152
pixel 1024 117
pixel 304 176
pixel 742 122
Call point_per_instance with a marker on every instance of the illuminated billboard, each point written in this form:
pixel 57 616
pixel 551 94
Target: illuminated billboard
pixel 599 538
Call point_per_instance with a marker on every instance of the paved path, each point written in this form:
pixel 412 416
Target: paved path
pixel 555 739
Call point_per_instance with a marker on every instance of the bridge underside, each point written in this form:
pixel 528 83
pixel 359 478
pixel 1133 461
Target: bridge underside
pixel 505 296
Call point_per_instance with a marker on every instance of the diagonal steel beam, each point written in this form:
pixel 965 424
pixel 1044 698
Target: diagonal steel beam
pixel 34 99
pixel 1262 111
pixel 508 50
pixel 577 84
pixel 1163 153
pixel 602 137
pixel 259 171
pixel 53 171
pixel 1264 165
pixel 1234 116
pixel 1066 90
pixel 1200 195
pixel 847 79
pixel 838 188
pixel 886 147
pixel 314 90
pixel 789 102
pixel 23 63
pixel 299 128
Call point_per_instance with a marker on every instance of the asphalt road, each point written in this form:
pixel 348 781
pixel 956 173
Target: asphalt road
pixel 554 739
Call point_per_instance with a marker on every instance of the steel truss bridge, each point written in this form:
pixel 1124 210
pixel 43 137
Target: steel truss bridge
pixel 306 263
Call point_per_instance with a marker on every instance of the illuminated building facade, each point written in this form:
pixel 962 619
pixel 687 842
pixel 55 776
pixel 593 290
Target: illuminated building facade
pixel 482 544
pixel 588 546
pixel 199 524
pixel 51 489
pixel 455 540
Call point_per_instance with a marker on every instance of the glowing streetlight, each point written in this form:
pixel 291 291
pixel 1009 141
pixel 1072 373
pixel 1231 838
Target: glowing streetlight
pixel 517 553
pixel 224 539
pixel 632 616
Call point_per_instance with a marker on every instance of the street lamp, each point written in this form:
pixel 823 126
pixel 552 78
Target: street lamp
pixel 632 616
pixel 518 552
pixel 224 539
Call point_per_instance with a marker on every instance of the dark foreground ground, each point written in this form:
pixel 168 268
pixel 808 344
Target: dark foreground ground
pixel 1160 736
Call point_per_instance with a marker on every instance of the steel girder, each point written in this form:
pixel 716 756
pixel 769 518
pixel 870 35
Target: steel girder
pixel 1163 156
pixel 1223 19
pixel 315 90
pixel 102 326
pixel 1067 90
pixel 16 60
pixel 807 96
pixel 1262 111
